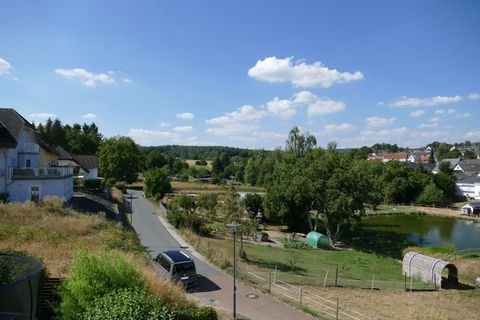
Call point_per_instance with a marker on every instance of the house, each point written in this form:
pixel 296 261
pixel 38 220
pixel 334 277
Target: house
pixel 468 187
pixel 472 208
pixel 400 156
pixel 85 167
pixel 452 162
pixel 27 172
pixel 469 167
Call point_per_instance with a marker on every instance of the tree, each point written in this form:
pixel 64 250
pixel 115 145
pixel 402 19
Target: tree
pixel 157 183
pixel 208 202
pixel 119 158
pixel 232 206
pixel 299 143
pixel 155 159
pixel 253 203
pixel 431 195
pixel 186 203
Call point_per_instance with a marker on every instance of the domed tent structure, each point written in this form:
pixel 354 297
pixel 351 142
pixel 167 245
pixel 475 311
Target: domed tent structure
pixel 19 282
pixel 317 240
pixel 430 269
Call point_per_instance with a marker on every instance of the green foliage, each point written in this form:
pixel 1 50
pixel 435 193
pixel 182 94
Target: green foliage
pixel 253 203
pixel 183 220
pixel 294 244
pixel 156 183
pixel 119 159
pixel 128 304
pixel 175 218
pixel 185 203
pixel 155 159
pixel 201 163
pixel 92 184
pixel 121 186
pixel 111 182
pixel 299 143
pixel 431 195
pixel 202 313
pixel 208 202
pixel 91 277
pixel 198 152
pixel 205 231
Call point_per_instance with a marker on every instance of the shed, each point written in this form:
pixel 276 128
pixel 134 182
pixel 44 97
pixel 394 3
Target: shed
pixel 430 270
pixel 317 240
pixel 472 208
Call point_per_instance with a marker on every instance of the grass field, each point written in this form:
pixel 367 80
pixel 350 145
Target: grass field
pixel 179 186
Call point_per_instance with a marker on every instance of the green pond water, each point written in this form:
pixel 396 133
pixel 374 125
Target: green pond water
pixel 429 231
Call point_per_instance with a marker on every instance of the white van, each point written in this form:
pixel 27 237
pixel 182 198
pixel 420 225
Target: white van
pixel 177 266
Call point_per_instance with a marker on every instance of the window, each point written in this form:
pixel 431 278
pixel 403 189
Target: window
pixel 161 260
pixel 35 193
pixel 183 268
pixel 28 163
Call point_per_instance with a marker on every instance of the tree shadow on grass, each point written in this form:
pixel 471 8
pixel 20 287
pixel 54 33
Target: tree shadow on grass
pixel 280 266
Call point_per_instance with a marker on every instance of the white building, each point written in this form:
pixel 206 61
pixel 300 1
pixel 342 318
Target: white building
pixel 23 176
pixel 468 187
pixel 85 167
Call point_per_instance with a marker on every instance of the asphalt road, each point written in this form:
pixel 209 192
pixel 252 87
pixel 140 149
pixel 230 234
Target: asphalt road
pixel 214 286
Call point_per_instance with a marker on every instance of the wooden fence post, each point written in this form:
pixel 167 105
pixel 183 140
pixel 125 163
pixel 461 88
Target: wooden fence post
pixel 373 281
pixel 270 281
pixel 405 282
pixel 300 295
pixel 275 276
pixel 325 281
pixel 336 317
pixel 336 277
pixel 411 280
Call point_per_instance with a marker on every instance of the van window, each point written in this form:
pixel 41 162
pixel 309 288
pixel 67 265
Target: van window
pixel 164 262
pixel 186 267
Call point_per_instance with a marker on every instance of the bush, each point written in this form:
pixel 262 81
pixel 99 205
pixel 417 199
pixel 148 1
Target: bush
pixel 182 178
pixel 128 304
pixel 294 244
pixel 111 182
pixel 205 231
pixel 92 184
pixel 203 313
pixel 175 218
pixel 192 222
pixel 201 163
pixel 121 186
pixel 92 277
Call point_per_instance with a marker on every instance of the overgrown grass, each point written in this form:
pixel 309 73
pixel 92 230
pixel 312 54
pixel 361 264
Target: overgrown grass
pixel 54 234
pixel 207 187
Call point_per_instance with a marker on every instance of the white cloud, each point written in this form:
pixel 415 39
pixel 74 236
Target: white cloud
pixel 244 113
pixel 283 108
pixel 5 67
pixel 463 115
pixel 87 78
pixel 375 122
pixel 126 80
pixel 474 96
pixel 43 115
pixel 450 111
pixel 417 113
pixel 89 116
pixel 330 128
pixel 299 73
pixel 316 105
pixel 185 115
pixel 183 129
pixel 151 137
pixel 232 130
pixel 429 125
pixel 435 119
pixel 164 124
pixel 425 102
pixel 473 134
pixel 440 111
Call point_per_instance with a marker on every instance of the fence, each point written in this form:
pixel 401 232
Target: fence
pixel 305 290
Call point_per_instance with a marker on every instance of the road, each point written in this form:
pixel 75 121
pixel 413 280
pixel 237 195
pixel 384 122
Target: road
pixel 215 286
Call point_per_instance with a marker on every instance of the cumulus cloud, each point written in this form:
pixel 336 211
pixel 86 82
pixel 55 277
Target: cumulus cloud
pixel 299 73
pixel 330 128
pixel 89 116
pixel 185 115
pixel 43 115
pixel 244 113
pixel 283 108
pixel 85 77
pixel 233 129
pixel 5 67
pixel 417 113
pixel 424 102
pixel 474 96
pixel 473 134
pixel 317 105
pixel 374 122
pixel 151 137
pixel 183 129
pixel 440 111
pixel 164 124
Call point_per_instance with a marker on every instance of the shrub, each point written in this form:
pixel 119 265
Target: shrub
pixel 175 218
pixel 203 313
pixel 182 178
pixel 201 163
pixel 294 244
pixel 92 277
pixel 205 231
pixel 128 304
pixel 111 182
pixel 121 186
pixel 93 184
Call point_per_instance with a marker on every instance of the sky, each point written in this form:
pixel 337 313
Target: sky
pixel 244 73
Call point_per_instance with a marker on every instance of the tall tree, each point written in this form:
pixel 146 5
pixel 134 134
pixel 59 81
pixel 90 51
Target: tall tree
pixel 119 158
pixel 298 143
pixel 156 183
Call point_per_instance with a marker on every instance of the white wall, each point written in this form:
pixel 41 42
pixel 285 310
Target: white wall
pixel 19 190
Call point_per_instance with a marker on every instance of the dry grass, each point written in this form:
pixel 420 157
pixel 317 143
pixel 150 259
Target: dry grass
pixel 54 234
pixel 198 187
pixel 117 195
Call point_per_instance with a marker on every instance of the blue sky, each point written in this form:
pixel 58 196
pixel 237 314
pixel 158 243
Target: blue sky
pixel 243 73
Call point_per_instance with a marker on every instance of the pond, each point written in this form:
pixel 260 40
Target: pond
pixel 427 230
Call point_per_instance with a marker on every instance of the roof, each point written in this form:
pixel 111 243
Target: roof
pixel 11 126
pixel 453 162
pixel 470 165
pixel 401 155
pixel 177 256
pixel 473 205
pixel 47 147
pixel 64 155
pixel 469 179
pixel 86 161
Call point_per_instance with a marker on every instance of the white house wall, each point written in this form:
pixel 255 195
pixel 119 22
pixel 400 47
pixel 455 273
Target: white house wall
pixel 19 190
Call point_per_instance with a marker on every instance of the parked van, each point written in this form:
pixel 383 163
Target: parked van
pixel 177 266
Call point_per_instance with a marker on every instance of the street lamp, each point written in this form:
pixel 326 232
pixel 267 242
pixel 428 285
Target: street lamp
pixel 234 227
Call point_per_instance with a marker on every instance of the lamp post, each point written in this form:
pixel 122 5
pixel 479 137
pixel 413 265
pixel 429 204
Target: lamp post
pixel 234 227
